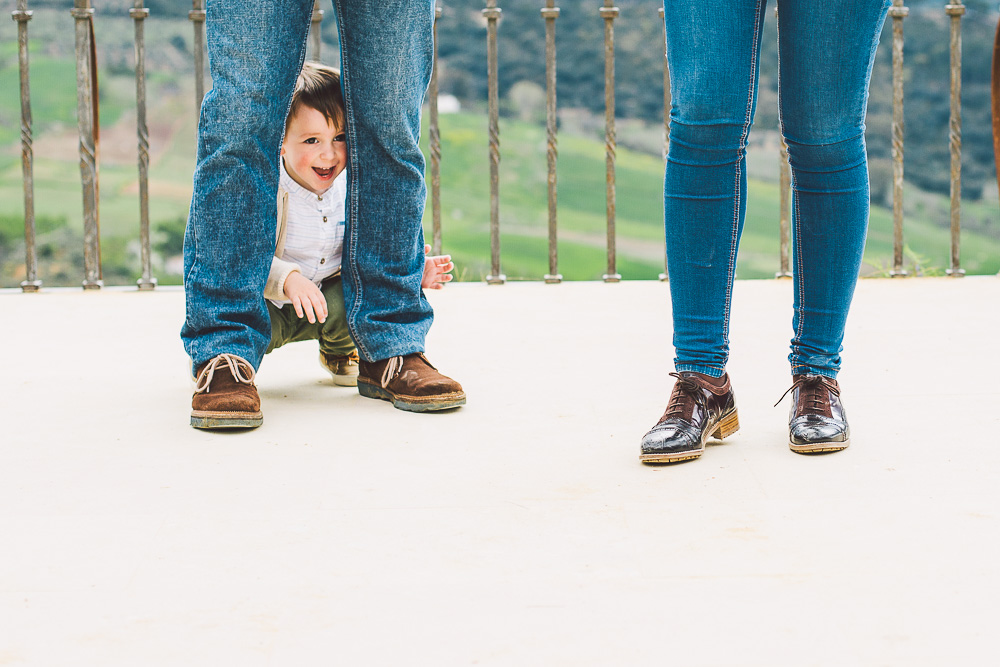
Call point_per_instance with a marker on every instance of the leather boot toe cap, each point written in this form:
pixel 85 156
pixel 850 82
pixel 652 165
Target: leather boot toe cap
pixel 814 429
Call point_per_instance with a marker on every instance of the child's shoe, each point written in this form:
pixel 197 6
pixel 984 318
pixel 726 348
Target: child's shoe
pixel 343 368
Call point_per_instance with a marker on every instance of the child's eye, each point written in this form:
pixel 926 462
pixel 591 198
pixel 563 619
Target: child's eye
pixel 340 138
pixel 311 140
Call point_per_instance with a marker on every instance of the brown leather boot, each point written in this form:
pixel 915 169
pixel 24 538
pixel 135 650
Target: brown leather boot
pixel 700 407
pixel 410 383
pixel 817 421
pixel 225 395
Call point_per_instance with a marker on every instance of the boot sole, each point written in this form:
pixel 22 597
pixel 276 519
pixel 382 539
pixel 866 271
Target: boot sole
pixel 412 403
pixel 819 447
pixel 728 424
pixel 205 419
pixel 672 458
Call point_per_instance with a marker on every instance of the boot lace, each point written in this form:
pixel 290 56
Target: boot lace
pixel 813 391
pixel 237 366
pixel 395 365
pixel 392 368
pixel 684 391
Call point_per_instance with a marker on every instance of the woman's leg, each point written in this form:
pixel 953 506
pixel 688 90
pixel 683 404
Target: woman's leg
pixel 713 49
pixel 826 52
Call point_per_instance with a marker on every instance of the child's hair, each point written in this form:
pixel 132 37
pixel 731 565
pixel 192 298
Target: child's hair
pixel 318 87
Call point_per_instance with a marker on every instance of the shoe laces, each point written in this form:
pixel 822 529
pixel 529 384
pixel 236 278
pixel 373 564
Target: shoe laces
pixel 351 358
pixel 392 368
pixel 813 391
pixel 685 389
pixel 236 367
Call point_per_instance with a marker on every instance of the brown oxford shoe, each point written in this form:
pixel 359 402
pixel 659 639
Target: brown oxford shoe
pixel 700 407
pixel 817 422
pixel 410 383
pixel 225 395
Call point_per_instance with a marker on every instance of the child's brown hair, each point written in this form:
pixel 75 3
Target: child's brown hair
pixel 318 87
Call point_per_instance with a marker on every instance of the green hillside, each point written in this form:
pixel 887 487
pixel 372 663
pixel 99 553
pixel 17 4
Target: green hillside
pixel 465 206
pixel 465 181
pixel 524 216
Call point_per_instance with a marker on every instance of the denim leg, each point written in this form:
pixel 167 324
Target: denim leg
pixel 255 52
pixel 713 83
pixel 386 54
pixel 826 52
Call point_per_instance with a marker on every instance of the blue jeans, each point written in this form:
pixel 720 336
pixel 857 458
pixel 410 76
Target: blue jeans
pixel 256 50
pixel 825 51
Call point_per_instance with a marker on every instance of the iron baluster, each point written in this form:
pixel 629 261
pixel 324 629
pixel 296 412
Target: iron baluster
pixel 898 12
pixel 956 11
pixel 492 14
pixel 609 13
pixel 88 124
pixel 31 283
pixel 197 17
pixel 784 212
pixel 315 33
pixel 139 14
pixel 550 13
pixel 666 123
pixel 435 143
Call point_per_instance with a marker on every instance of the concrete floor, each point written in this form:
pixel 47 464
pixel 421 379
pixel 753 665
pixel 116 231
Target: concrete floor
pixel 519 529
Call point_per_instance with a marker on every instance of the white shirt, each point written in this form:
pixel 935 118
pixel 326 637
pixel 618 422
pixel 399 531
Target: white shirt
pixel 314 236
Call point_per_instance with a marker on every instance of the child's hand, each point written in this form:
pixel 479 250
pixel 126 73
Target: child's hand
pixel 307 299
pixel 437 270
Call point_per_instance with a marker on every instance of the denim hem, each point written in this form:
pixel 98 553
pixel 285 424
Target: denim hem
pixel 196 363
pixel 398 352
pixel 808 370
pixel 711 371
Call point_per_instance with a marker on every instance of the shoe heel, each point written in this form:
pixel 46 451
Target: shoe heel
pixel 730 424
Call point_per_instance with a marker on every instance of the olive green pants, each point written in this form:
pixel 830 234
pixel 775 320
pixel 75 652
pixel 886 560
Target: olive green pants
pixel 333 336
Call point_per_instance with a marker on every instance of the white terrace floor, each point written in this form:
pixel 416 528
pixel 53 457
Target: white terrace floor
pixel 520 529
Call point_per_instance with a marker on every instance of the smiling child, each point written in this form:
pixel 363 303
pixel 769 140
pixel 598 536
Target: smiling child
pixel 304 291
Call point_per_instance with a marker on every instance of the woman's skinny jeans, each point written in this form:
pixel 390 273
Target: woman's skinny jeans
pixel 825 52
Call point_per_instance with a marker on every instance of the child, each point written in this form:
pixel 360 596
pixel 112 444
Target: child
pixel 305 297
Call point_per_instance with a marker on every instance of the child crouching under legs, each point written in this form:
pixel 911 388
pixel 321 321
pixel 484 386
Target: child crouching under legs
pixel 304 294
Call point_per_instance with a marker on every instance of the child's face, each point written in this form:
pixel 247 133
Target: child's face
pixel 315 151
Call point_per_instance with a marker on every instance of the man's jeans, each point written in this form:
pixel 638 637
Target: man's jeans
pixel 826 51
pixel 256 50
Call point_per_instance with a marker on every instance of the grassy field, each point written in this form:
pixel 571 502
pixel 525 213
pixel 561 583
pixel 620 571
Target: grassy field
pixel 582 221
pixel 465 180
pixel 464 197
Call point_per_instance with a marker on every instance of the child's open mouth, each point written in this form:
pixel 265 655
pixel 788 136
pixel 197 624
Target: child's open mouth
pixel 323 173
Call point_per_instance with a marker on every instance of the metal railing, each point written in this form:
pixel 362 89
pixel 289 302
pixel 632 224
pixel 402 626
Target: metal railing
pixel 897 13
pixel 88 122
